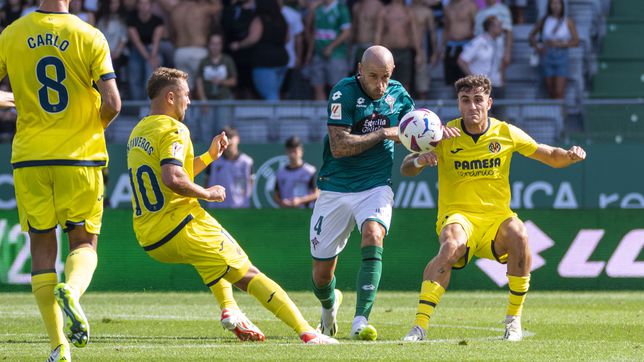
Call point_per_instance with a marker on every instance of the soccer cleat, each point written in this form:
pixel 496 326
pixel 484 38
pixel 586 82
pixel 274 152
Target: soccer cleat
pixel 364 332
pixel 76 325
pixel 513 331
pixel 315 337
pixel 235 321
pixel 60 353
pixel 328 321
pixel 415 334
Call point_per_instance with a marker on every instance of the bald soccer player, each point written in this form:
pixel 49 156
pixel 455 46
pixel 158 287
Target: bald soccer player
pixel 355 183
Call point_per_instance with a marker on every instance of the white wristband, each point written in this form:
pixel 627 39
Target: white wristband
pixel 417 164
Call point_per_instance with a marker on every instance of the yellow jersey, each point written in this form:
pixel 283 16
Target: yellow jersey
pixel 474 170
pixel 158 211
pixel 52 60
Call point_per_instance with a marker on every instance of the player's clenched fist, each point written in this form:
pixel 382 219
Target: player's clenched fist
pixel 218 145
pixel 216 193
pixel 576 153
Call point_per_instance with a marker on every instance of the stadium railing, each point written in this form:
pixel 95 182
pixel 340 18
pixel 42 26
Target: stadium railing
pixel 263 122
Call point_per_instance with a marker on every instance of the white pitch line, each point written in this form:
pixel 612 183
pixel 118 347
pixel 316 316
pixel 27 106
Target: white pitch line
pixel 131 317
pixel 102 337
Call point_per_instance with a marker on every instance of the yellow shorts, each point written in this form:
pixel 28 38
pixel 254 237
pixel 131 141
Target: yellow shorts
pixel 481 230
pixel 59 195
pixel 206 245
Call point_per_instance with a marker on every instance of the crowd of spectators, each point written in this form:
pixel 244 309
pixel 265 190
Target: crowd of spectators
pixel 297 49
pixel 280 45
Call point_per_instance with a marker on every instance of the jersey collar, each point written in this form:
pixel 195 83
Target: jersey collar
pixel 51 12
pixel 475 137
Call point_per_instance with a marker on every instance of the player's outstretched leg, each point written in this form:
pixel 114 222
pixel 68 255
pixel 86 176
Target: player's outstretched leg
pixel 367 287
pixel 430 294
pixel 60 353
pixel 275 299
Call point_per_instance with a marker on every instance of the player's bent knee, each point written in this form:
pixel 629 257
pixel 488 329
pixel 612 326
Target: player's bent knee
pixel 373 234
pixel 450 252
pixel 516 235
pixel 241 277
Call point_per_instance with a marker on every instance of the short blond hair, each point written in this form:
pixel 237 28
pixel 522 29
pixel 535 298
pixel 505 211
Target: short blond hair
pixel 474 81
pixel 163 77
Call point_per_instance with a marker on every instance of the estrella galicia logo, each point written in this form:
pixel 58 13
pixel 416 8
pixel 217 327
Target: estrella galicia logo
pixel 495 147
pixel 264 183
pixel 370 124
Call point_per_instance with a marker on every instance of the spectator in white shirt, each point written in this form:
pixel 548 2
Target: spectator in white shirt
pixel 484 55
pixel 501 12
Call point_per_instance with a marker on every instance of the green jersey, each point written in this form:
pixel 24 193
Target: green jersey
pixel 349 106
pixel 329 22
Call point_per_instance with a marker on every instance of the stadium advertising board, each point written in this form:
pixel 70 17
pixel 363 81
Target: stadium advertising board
pixel 572 250
pixel 609 179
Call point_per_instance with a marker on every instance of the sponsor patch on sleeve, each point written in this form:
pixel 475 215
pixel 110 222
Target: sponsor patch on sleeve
pixel 336 111
pixel 177 150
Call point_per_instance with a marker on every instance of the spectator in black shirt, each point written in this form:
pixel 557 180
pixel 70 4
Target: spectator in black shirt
pixel 145 31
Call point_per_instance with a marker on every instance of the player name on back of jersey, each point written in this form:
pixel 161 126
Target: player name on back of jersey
pixel 142 143
pixel 47 39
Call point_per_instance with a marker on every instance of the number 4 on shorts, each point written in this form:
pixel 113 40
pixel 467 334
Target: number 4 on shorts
pixel 318 225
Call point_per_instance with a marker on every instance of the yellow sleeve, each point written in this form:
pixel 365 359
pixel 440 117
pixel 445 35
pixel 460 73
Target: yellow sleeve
pixel 3 55
pixel 523 143
pixel 175 144
pixel 101 59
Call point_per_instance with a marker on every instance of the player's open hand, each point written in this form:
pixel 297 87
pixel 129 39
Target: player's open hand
pixel 450 132
pixel 576 154
pixel 216 193
pixel 426 159
pixel 6 100
pixel 218 145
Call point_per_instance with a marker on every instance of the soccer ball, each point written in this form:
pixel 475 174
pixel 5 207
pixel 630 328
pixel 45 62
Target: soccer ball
pixel 420 130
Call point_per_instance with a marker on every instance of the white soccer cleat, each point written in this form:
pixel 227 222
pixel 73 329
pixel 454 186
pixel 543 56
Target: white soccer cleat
pixel 415 334
pixel 362 330
pixel 60 353
pixel 315 337
pixel 513 331
pixel 329 319
pixel 235 321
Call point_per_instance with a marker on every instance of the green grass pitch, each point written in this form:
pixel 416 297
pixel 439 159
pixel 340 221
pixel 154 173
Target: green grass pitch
pixel 574 326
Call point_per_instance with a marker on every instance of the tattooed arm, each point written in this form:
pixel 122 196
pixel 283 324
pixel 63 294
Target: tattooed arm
pixel 344 144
